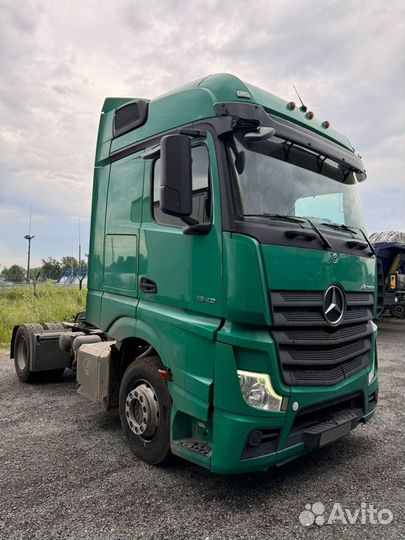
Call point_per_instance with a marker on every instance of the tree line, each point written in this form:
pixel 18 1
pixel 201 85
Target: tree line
pixel 50 269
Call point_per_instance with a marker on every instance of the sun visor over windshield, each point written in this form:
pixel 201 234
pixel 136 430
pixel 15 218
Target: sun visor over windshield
pixel 288 131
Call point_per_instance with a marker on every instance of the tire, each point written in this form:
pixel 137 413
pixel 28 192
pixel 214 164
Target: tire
pixel 53 326
pixel 22 353
pixel 22 357
pixel 397 311
pixel 145 406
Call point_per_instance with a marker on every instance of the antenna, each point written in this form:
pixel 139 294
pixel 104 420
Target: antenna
pixel 303 107
pixel 80 252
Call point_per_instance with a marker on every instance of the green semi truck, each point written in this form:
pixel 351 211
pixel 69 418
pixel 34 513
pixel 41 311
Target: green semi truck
pixel 231 287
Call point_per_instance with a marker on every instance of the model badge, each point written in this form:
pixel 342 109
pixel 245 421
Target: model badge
pixel 205 299
pixel 366 287
pixel 334 305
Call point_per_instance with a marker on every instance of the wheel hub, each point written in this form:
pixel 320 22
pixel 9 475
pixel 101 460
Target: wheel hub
pixel 142 411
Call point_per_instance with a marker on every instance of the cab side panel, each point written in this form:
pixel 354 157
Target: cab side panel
pixel 123 218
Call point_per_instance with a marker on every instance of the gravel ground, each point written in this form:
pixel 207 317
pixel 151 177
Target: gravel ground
pixel 66 472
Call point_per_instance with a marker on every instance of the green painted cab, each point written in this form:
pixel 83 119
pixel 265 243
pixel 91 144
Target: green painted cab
pixel 227 238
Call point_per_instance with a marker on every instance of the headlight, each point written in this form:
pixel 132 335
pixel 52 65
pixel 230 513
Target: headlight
pixel 258 392
pixel 371 373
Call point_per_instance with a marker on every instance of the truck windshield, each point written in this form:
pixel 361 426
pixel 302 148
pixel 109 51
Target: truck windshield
pixel 275 177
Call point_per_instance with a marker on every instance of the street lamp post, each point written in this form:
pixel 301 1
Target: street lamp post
pixel 29 238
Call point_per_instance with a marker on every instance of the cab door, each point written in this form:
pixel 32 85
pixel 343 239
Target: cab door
pixel 180 277
pixel 177 269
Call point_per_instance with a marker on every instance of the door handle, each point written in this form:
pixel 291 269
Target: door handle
pixel 148 285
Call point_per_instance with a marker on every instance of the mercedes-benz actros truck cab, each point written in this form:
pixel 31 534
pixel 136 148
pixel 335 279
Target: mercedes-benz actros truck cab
pixel 231 288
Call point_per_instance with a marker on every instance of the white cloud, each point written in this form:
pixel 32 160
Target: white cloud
pixel 60 59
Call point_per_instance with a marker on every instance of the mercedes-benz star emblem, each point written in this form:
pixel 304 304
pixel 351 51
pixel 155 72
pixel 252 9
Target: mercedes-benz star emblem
pixel 334 305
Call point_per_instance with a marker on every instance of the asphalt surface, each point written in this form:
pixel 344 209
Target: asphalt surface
pixel 66 472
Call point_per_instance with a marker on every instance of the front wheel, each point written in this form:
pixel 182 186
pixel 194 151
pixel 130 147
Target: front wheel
pixel 145 406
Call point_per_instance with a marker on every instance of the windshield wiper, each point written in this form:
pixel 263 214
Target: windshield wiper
pixel 368 241
pixel 299 220
pixel 323 238
pixel 339 226
pixel 353 231
pixel 282 217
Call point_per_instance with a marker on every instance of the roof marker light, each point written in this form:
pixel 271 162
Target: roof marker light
pixel 325 124
pixel 310 115
pixel 243 94
pixel 291 106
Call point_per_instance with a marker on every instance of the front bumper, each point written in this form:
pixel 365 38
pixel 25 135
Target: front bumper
pixel 232 435
pixel 323 415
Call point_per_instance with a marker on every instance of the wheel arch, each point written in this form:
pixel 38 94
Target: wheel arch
pixel 131 334
pixel 135 339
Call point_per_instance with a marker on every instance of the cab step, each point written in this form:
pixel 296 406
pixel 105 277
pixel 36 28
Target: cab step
pixel 201 448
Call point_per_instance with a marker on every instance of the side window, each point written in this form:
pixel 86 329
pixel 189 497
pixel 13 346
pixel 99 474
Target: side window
pixel 201 190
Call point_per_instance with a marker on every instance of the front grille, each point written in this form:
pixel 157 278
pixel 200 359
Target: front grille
pixel 311 352
pixel 305 308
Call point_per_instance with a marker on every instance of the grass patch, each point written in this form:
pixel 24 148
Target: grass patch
pixel 19 305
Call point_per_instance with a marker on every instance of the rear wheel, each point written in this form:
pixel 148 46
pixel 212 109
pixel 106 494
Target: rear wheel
pixel 22 357
pixel 22 360
pixel 145 406
pixel 54 326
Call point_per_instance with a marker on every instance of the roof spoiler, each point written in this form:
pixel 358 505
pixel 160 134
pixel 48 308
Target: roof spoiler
pixel 297 135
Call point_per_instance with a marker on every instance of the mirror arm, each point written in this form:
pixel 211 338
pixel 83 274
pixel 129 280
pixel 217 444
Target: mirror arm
pixel 189 220
pixel 192 132
pixel 152 154
pixel 199 229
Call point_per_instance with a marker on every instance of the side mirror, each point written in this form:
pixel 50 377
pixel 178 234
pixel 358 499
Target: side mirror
pixel 176 178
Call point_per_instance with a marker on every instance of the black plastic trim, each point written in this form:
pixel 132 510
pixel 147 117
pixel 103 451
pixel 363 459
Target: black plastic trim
pixel 273 233
pixel 323 336
pixel 268 444
pixel 310 353
pixel 289 131
pixel 147 285
pixel 327 357
pixel 321 409
pixel 140 107
pixel 331 430
pixel 294 233
pixel 315 415
pixel 216 126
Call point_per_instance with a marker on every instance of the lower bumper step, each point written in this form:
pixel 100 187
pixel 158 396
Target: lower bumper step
pixel 332 429
pixel 196 446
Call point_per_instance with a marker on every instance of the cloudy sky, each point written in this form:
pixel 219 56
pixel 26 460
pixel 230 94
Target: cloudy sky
pixel 58 60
